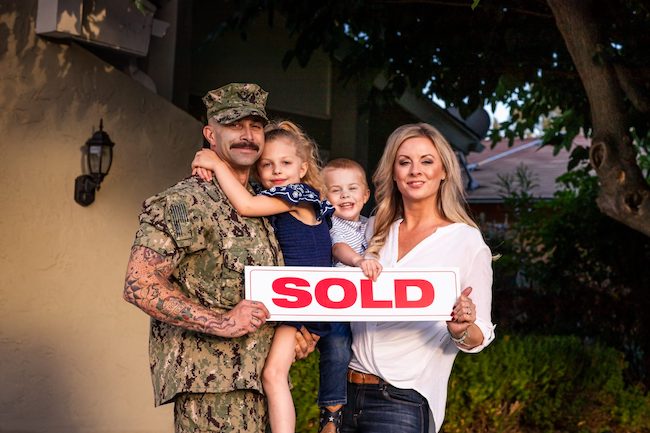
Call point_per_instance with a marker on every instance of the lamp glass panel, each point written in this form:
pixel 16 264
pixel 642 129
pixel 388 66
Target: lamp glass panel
pixel 106 159
pixel 95 156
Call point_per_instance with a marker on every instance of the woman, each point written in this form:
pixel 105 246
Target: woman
pixel 397 381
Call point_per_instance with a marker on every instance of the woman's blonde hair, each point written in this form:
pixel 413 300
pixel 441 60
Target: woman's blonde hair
pixel 306 149
pixel 450 202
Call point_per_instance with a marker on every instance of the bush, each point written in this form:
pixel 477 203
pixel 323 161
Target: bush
pixel 304 377
pixel 530 384
pixel 544 384
pixel 566 268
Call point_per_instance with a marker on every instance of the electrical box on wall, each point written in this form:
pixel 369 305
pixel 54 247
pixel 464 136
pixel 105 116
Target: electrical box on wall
pixel 114 24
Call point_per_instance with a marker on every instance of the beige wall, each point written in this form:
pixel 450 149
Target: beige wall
pixel 73 354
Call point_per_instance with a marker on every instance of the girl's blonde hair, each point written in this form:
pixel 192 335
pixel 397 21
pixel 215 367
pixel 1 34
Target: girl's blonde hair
pixel 306 149
pixel 450 202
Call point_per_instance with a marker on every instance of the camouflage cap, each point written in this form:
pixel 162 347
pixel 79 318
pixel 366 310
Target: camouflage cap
pixel 235 101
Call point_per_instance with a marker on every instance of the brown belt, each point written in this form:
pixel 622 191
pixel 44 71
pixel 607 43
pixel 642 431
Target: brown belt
pixel 363 378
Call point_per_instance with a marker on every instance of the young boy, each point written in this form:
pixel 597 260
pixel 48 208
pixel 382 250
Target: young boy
pixel 347 190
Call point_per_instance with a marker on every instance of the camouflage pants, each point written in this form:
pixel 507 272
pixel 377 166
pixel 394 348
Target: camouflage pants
pixel 238 411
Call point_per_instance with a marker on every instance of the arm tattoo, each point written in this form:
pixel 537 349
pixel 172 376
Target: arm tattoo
pixel 148 286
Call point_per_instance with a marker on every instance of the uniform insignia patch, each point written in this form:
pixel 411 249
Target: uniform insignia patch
pixel 180 220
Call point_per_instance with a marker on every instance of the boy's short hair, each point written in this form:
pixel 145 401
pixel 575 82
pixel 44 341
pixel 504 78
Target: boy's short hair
pixel 346 164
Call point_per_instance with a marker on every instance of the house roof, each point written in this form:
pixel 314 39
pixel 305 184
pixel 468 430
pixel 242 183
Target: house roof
pixel 544 168
pixel 464 135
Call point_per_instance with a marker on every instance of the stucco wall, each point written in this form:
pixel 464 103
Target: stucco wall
pixel 73 354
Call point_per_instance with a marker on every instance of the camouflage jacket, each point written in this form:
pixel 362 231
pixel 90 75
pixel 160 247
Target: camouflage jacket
pixel 194 219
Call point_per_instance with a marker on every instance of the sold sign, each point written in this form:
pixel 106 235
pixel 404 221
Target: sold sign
pixel 311 294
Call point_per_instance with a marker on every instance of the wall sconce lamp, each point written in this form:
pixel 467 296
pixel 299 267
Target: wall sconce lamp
pixel 98 153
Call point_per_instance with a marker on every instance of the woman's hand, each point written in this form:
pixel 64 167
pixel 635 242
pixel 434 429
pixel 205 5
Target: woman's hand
pixel 206 162
pixel 462 317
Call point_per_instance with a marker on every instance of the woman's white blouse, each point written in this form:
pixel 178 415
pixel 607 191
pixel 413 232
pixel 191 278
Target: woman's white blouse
pixel 420 355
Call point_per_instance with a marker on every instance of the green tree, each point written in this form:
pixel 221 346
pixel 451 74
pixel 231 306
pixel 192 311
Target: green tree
pixel 587 60
pixel 568 269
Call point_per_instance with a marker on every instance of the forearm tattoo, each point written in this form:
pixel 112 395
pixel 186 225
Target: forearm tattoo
pixel 148 286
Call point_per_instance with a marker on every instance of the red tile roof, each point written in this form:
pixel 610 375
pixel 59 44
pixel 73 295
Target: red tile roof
pixel 540 161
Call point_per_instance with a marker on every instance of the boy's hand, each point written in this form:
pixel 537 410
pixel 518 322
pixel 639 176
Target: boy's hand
pixel 370 267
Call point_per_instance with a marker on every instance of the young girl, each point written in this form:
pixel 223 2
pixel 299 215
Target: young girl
pixel 288 168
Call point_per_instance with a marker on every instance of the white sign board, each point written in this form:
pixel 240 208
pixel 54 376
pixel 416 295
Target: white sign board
pixel 311 294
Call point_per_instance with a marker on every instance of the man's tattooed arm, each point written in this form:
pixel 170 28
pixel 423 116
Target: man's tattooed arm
pixel 148 286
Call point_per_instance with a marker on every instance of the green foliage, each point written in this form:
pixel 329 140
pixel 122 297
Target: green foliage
pixel 418 45
pixel 304 377
pixel 566 268
pixel 543 384
pixel 516 187
pixel 642 146
pixel 522 384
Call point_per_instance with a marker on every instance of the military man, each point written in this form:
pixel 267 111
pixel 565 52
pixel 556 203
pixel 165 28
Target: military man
pixel 207 344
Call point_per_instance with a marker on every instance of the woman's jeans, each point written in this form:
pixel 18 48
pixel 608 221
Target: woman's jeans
pixel 382 408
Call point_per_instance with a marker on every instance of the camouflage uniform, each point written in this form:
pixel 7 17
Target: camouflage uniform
pixel 195 220
pixel 234 101
pixel 232 412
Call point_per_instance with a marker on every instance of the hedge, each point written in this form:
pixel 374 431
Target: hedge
pixel 531 384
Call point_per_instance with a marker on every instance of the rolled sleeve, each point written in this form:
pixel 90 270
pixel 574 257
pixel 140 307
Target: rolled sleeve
pixel 487 329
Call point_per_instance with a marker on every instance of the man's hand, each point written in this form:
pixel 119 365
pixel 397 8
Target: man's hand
pixel 305 343
pixel 247 316
pixel 148 285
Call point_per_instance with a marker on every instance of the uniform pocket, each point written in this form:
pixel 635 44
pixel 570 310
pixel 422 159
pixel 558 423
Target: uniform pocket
pixel 235 257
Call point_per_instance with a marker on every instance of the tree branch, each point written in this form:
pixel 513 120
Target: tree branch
pixel 630 85
pixel 624 194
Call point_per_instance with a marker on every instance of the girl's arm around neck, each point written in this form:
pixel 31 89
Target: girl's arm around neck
pixel 243 201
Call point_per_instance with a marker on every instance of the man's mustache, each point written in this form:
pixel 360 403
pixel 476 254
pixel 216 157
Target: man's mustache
pixel 245 145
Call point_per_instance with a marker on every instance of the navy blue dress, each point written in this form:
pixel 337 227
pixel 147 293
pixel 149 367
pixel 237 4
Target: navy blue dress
pixel 303 244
